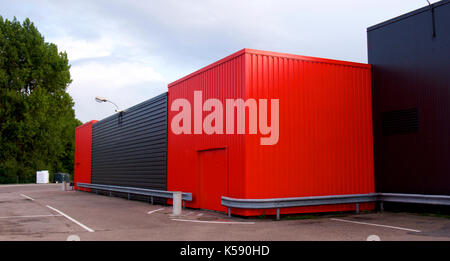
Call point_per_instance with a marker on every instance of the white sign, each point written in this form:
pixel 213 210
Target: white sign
pixel 42 177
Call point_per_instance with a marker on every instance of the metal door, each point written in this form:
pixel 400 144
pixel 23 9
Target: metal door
pixel 213 178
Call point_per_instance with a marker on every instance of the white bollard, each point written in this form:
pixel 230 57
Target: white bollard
pixel 176 203
pixel 63 186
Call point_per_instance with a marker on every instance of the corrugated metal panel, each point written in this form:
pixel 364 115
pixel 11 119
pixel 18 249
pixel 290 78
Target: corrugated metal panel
pixel 325 141
pixel 223 79
pixel 131 150
pixel 412 76
pixel 83 145
pixel 325 144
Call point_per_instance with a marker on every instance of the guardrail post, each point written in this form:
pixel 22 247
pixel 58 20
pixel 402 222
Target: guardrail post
pixel 357 208
pixel 278 213
pixel 176 203
pixel 229 212
pixel 381 206
pixel 128 196
pixel 151 199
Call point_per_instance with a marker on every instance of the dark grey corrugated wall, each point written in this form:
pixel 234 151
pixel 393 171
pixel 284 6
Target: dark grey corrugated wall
pixel 411 100
pixel 131 150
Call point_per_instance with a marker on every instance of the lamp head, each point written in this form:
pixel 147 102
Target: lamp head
pixel 100 99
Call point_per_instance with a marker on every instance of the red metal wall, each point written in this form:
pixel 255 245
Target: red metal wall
pixel 83 145
pixel 223 79
pixel 325 141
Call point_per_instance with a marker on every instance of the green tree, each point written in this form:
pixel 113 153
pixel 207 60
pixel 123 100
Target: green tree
pixel 37 120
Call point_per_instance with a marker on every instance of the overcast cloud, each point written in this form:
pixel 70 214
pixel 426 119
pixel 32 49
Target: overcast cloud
pixel 128 51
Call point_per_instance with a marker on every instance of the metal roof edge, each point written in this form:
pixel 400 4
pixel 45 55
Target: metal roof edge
pixel 268 53
pixel 409 14
pixel 86 124
pixel 307 58
pixel 113 116
pixel 210 66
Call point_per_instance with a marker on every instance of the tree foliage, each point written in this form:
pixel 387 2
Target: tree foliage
pixel 37 120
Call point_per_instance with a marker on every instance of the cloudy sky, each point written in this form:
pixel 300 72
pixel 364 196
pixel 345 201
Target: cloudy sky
pixel 129 50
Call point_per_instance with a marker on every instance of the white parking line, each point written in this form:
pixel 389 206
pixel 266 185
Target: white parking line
pixel 31 216
pixel 71 219
pixel 377 225
pixel 214 222
pixel 153 211
pixel 28 197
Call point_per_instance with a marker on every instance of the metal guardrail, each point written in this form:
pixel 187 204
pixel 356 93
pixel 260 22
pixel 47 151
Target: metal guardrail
pixel 185 196
pixel 278 203
pixel 415 198
pixel 297 202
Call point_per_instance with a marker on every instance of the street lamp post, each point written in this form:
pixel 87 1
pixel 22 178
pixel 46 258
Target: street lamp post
pixel 101 99
pixel 119 118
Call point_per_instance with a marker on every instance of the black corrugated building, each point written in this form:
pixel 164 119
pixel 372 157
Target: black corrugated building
pixel 130 148
pixel 410 55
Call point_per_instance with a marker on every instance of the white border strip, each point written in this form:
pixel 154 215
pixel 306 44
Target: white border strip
pixel 31 216
pixel 214 222
pixel 377 225
pixel 71 219
pixel 25 185
pixel 28 197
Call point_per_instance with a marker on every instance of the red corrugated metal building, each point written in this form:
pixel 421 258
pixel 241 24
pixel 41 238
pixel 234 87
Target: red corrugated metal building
pixel 83 152
pixel 325 132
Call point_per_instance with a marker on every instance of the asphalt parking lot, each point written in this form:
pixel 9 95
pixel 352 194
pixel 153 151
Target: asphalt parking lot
pixel 44 212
